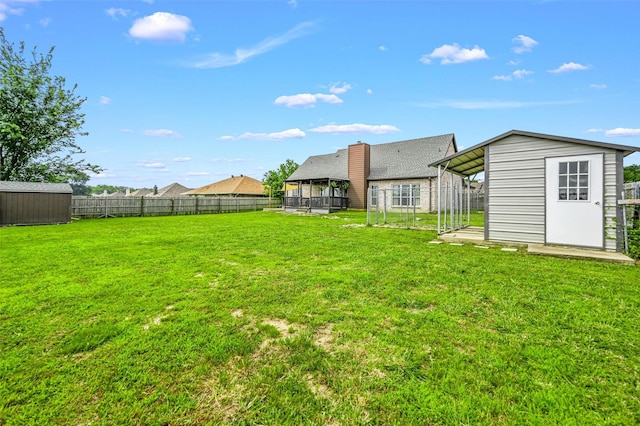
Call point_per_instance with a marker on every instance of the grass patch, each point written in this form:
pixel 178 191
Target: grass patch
pixel 284 319
pixel 90 337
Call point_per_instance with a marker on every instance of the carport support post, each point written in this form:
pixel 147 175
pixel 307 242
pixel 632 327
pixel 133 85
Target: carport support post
pixel 468 200
pixel 439 167
pixel 451 199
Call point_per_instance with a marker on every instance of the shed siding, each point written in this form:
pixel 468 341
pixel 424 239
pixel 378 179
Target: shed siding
pixel 517 181
pixel 34 208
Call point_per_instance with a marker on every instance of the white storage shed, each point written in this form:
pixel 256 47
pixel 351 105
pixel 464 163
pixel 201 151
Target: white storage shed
pixel 545 189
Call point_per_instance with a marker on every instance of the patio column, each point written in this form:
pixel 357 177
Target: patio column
pixel 330 194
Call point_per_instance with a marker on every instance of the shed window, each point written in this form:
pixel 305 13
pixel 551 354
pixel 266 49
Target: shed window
pixel 573 181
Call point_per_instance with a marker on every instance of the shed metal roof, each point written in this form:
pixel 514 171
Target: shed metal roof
pixel 470 161
pixel 55 188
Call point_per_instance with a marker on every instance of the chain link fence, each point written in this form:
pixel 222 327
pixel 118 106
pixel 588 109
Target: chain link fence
pixel 411 208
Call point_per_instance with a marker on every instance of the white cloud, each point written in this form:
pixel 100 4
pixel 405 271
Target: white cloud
pixel 127 131
pixel 104 100
pixel 518 74
pixel 115 12
pixel 306 100
pixel 228 160
pixel 220 60
pixel 598 86
pixel 181 159
pixel 330 99
pixel 521 73
pixel 197 173
pixel 513 63
pixel 44 22
pixel 383 48
pixel 7 8
pixel 525 44
pixel 369 91
pixel 161 26
pixel 227 138
pixel 491 104
pixel 568 67
pixel 454 54
pixel 276 136
pixel 102 175
pixel 154 165
pixel 595 130
pixel 340 88
pixel 355 128
pixel 162 133
pixel 621 131
pixel 293 3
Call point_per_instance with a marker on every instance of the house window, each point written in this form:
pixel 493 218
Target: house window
pixel 374 195
pixel 406 195
pixel 573 181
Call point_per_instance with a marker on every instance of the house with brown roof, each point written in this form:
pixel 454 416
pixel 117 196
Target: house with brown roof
pixel 235 186
pixel 390 175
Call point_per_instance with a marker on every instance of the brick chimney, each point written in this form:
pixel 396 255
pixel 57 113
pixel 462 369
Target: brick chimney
pixel 358 170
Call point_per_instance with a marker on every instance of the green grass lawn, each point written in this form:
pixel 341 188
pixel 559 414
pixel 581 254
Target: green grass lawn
pixel 265 318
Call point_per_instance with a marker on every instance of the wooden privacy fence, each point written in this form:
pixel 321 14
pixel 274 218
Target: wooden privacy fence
pixel 99 207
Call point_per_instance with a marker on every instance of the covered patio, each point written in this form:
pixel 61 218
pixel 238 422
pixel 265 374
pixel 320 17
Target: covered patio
pixel 316 195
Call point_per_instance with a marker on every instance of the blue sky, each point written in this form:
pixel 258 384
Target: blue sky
pixel 196 91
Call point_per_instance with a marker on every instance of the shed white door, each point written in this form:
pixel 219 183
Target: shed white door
pixel 574 199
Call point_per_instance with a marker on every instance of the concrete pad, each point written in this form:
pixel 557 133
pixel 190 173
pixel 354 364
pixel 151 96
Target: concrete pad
pixel 435 242
pixel 456 244
pixel 482 247
pixel 469 235
pixel 578 253
pixel 512 249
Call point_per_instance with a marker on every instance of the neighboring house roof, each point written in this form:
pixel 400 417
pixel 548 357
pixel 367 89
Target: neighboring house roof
pixel 57 188
pixel 173 190
pixel 141 192
pixel 117 194
pixel 235 185
pixel 471 160
pixel 394 160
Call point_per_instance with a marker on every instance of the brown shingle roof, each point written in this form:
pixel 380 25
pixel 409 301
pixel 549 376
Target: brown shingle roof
pixel 235 185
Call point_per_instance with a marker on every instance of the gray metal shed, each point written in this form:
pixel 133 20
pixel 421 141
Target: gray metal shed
pixel 546 189
pixel 34 203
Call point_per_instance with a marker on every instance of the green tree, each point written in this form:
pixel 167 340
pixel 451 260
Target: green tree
pixel 39 119
pixel 274 179
pixel 99 189
pixel 79 185
pixel 632 173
